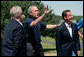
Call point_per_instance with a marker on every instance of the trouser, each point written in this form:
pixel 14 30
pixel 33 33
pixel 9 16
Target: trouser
pixel 30 50
pixel 34 49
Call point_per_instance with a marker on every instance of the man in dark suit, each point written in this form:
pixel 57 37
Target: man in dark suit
pixel 13 43
pixel 67 38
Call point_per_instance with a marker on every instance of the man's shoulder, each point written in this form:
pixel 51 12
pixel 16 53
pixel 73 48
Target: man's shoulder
pixel 74 24
pixel 28 20
pixel 61 26
pixel 16 24
pixel 12 25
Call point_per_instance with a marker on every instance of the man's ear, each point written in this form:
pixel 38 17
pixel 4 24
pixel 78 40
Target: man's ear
pixel 64 17
pixel 30 13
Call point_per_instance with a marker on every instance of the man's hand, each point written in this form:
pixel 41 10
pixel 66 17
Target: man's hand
pixel 46 10
pixel 78 52
pixel 59 24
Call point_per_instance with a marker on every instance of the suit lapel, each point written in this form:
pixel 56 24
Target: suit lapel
pixel 16 21
pixel 67 31
pixel 72 30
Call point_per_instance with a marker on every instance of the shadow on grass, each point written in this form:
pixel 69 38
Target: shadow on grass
pixel 49 49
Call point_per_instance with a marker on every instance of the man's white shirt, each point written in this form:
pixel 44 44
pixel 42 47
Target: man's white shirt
pixel 69 28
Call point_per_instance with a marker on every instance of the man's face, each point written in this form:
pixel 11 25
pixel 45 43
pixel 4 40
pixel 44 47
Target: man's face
pixel 35 12
pixel 69 16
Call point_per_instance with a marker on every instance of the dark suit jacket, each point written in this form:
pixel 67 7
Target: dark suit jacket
pixel 13 43
pixel 64 42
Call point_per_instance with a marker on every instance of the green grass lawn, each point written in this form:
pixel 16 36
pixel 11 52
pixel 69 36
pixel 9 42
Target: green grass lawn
pixel 81 54
pixel 47 39
pixel 51 48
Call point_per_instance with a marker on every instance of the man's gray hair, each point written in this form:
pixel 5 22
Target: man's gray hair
pixel 15 11
pixel 30 9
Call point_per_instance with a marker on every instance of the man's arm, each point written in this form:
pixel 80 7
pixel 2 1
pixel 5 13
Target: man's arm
pixel 52 26
pixel 17 40
pixel 34 23
pixel 38 20
pixel 80 34
pixel 58 41
pixel 77 41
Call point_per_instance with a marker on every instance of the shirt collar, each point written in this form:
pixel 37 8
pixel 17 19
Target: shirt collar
pixel 68 25
pixel 32 17
pixel 19 22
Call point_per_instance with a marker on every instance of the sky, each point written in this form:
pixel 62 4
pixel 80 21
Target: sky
pixel 76 7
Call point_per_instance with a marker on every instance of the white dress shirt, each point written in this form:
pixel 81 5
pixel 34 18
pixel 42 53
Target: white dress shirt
pixel 69 28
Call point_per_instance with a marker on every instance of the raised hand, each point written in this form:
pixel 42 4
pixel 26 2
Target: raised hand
pixel 46 10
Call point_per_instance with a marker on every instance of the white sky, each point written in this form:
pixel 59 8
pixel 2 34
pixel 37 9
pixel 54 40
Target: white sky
pixel 76 7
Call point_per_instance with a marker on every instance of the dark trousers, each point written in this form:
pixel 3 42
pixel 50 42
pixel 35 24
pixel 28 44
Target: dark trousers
pixel 34 49
pixel 29 50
